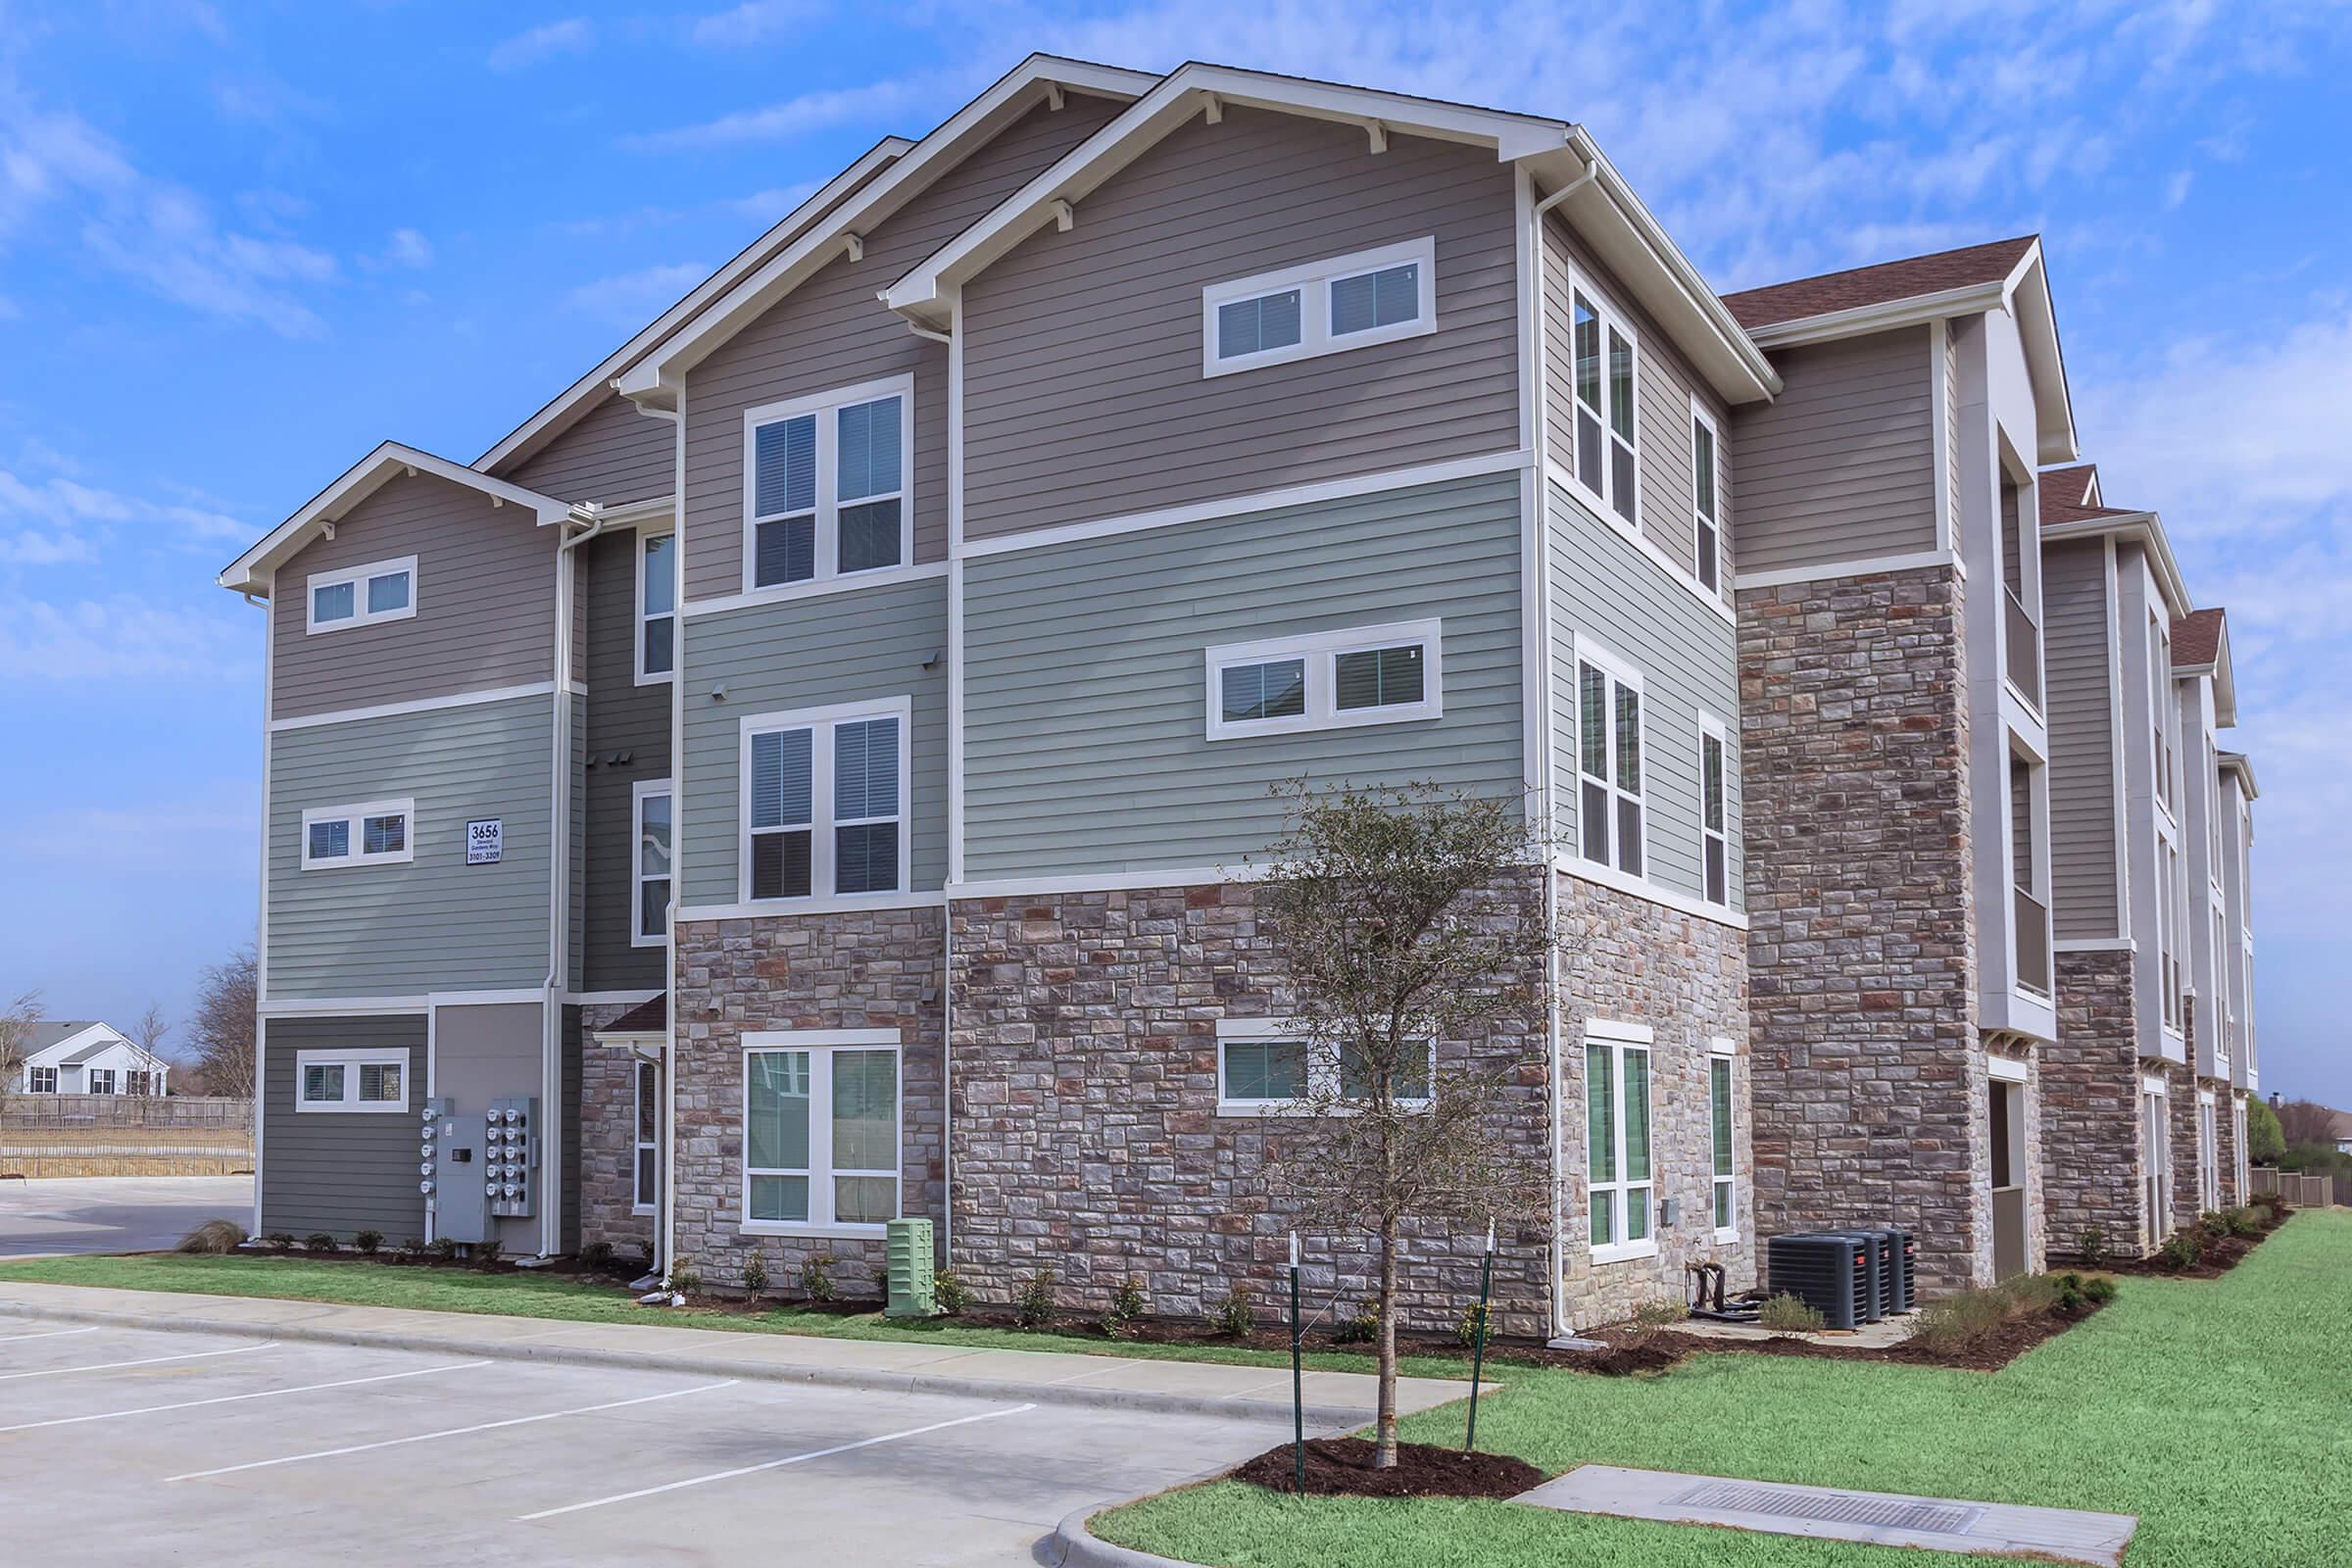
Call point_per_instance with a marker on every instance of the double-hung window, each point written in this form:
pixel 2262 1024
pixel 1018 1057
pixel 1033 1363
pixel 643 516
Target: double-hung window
pixel 656 607
pixel 102 1080
pixel 1266 1067
pixel 361 596
pixel 1326 680
pixel 826 484
pixel 1609 800
pixel 824 802
pixel 1617 1140
pixel 375 833
pixel 352 1081
pixel 1607 422
pixel 1326 307
pixel 137 1083
pixel 1706 501
pixel 649 871
pixel 41 1081
pixel 820 1144
pixel 1720 1105
pixel 645 1174
pixel 1715 867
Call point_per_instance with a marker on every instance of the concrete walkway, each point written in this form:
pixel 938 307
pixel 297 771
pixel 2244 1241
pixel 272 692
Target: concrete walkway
pixel 1333 1398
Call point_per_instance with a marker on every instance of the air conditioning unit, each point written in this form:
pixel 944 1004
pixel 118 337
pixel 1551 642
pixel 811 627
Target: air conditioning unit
pixel 1872 1256
pixel 1899 1269
pixel 1829 1271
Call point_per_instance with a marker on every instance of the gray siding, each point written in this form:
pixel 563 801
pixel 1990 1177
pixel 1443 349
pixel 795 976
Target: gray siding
pixel 627 739
pixel 485 1052
pixel 613 454
pixel 1664 384
pixel 486 603
pixel 339 1172
pixel 435 924
pixel 1687 657
pixel 833 332
pixel 1085 718
pixel 1841 465
pixel 869 643
pixel 2079 651
pixel 1084 396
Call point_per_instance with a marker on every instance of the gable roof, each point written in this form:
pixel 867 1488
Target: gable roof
pixel 646 1021
pixel 652 380
pixel 1879 284
pixel 52 1032
pixel 249 573
pixel 99 1047
pixel 2201 645
pixel 1557 152
pixel 2077 486
pixel 2237 763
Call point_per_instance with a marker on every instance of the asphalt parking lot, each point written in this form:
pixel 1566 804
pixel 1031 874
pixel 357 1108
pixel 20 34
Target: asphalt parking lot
pixel 114 1213
pixel 124 1446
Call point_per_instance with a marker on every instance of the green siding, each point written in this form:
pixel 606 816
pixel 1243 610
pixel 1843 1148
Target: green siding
pixel 340 1171
pixel 1085 745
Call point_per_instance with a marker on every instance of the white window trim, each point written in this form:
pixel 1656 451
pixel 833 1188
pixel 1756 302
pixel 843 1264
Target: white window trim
pixel 1322 1074
pixel 1727 1051
pixel 1698 416
pixel 819 1043
pixel 1618 672
pixel 820 801
pixel 33 1080
pixel 1621 1037
pixel 1605 308
pixel 1313 281
pixel 351 1062
pixel 356 817
pixel 94 1074
pixel 1321 652
pixel 644 676
pixel 638 938
pixel 640 1202
pixel 358 577
pixel 829 506
pixel 1710 729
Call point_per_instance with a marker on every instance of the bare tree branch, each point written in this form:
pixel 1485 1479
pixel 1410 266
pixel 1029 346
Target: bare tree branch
pixel 17 1023
pixel 222 1030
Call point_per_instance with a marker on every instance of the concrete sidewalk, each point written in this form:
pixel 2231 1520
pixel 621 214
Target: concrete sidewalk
pixel 1333 1398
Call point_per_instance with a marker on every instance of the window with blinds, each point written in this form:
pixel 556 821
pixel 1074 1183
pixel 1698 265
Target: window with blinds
pixel 1324 680
pixel 826 801
pixel 826 484
pixel 1325 307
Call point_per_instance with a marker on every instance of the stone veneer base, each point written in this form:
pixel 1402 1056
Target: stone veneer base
pixel 2092 1170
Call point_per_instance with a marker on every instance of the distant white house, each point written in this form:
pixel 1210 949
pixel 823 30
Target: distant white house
pixel 84 1057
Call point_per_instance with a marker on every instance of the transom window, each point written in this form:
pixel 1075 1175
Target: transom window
pixel 43 1081
pixel 1609 801
pixel 821 1146
pixel 1714 842
pixel 1326 680
pixel 1266 1068
pixel 376 833
pixel 826 484
pixel 1720 1104
pixel 1705 504
pixel 824 803
pixel 361 596
pixel 1617 1140
pixel 1327 307
pixel 656 607
pixel 352 1080
pixel 1608 418
pixel 649 873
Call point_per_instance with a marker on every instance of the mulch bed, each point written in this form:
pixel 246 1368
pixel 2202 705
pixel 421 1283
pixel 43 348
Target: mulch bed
pixel 1341 1468
pixel 2219 1257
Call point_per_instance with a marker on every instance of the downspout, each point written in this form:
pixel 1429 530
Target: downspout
pixel 559 878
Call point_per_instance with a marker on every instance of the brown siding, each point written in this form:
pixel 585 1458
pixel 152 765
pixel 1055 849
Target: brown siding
pixel 628 741
pixel 1084 396
pixel 1841 465
pixel 486 603
pixel 2081 636
pixel 833 332
pixel 612 454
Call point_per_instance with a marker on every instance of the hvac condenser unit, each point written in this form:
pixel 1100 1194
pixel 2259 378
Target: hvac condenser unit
pixel 1823 1270
pixel 1899 1269
pixel 1871 1255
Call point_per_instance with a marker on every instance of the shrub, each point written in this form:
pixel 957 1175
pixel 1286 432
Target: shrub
pixel 444 1250
pixel 484 1255
pixel 2181 1250
pixel 281 1241
pixel 2213 1226
pixel 816 1277
pixel 2070 1292
pixel 1032 1307
pixel 1128 1303
pixel 2098 1290
pixel 684 1277
pixel 368 1241
pixel 1475 1320
pixel 1235 1316
pixel 754 1274
pixel 412 1250
pixel 212 1236
pixel 1663 1313
pixel 318 1242
pixel 2092 1247
pixel 1786 1314
pixel 2243 1222
pixel 1362 1328
pixel 597 1256
pixel 949 1292
pixel 1957 1322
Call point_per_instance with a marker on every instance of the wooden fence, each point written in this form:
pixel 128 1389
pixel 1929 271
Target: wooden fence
pixel 124 1135
pixel 84 1112
pixel 2317 1190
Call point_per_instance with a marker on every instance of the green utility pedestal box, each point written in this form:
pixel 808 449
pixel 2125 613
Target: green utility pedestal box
pixel 910 1270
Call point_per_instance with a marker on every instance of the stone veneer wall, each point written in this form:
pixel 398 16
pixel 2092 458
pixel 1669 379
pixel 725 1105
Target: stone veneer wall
pixel 2089 1080
pixel 1869 1077
pixel 2181 1106
pixel 609 1139
pixel 866 969
pixel 1085 1127
pixel 2225 1135
pixel 1629 961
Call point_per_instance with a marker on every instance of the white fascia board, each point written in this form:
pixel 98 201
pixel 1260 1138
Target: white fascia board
pixel 926 292
pixel 2025 294
pixel 653 381
pixel 2237 762
pixel 358 482
pixel 2142 528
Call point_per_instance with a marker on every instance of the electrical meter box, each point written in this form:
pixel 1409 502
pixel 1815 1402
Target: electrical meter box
pixel 512 1175
pixel 453 1174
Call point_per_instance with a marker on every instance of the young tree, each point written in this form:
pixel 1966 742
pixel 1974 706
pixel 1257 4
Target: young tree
pixel 17 1021
pixel 2266 1142
pixel 151 1028
pixel 1415 935
pixel 2307 1121
pixel 221 1031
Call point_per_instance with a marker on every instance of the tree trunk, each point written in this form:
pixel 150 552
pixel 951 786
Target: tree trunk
pixel 1383 1452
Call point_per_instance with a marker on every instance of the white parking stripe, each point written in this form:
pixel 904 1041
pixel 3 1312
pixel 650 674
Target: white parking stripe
pixel 45 1333
pixel 151 1360
pixel 451 1431
pixel 232 1399
pixel 772 1464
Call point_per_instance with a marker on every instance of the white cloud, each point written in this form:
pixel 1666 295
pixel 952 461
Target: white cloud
pixel 814 111
pixel 46 549
pixel 568 36
pixel 770 206
pixel 2175 189
pixel 62 502
pixel 637 297
pixel 407 248
pixel 123 638
pixel 753 21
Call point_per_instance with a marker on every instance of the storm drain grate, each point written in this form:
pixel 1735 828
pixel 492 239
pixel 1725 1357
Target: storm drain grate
pixel 1844 1507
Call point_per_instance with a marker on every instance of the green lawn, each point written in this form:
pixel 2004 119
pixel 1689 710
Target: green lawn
pixel 526 1293
pixel 2218 1411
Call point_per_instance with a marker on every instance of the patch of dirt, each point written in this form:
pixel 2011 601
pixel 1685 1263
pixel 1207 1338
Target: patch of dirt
pixel 2219 1257
pixel 1989 1352
pixel 1341 1468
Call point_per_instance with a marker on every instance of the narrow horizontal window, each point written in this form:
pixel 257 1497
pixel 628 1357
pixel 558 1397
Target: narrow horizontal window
pixel 1389 297
pixel 376 833
pixel 363 596
pixel 1327 307
pixel 1266 1067
pixel 1257 326
pixel 825 486
pixel 369 1080
pixel 1276 689
pixel 1326 680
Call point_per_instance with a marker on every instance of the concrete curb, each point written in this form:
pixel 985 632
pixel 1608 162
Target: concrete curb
pixel 1073 1545
pixel 1317 1415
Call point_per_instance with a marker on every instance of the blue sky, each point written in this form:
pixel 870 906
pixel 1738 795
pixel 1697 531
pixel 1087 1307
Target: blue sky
pixel 240 244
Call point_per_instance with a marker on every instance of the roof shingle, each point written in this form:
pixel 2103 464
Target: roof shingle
pixel 2197 638
pixel 1879 283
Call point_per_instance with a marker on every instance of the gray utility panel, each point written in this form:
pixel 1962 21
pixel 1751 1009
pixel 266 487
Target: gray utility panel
pixel 478 1168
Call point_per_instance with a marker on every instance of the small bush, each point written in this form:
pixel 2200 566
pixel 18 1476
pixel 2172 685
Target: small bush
pixel 1475 1321
pixel 2070 1292
pixel 1362 1328
pixel 1786 1314
pixel 281 1241
pixel 444 1250
pixel 1032 1307
pixel 1235 1316
pixel 1957 1322
pixel 1128 1303
pixel 597 1256
pixel 2181 1251
pixel 2098 1290
pixel 816 1277
pixel 2213 1226
pixel 2092 1247
pixel 214 1236
pixel 1663 1313
pixel 412 1250
pixel 754 1274
pixel 368 1241
pixel 484 1255
pixel 949 1292
pixel 2243 1222
pixel 318 1242
pixel 684 1277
